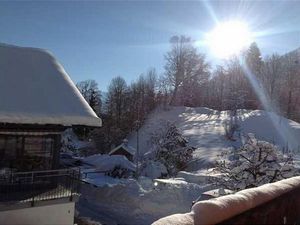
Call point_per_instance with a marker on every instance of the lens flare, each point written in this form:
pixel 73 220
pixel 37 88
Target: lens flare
pixel 229 38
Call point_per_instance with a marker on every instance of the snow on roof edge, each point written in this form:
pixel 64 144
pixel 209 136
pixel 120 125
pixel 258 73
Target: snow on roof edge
pixel 78 113
pixel 91 111
pixel 59 120
pixel 126 148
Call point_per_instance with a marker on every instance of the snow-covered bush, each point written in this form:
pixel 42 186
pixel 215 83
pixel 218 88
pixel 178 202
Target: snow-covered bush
pixel 119 172
pixel 154 169
pixel 171 148
pixel 70 143
pixel 255 163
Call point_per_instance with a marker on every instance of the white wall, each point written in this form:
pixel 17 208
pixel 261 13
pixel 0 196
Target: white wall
pixel 55 214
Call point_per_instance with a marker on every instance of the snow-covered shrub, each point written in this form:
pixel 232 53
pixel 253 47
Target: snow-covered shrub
pixel 171 148
pixel 154 169
pixel 255 163
pixel 119 172
pixel 70 143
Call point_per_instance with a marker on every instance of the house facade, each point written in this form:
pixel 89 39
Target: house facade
pixel 38 101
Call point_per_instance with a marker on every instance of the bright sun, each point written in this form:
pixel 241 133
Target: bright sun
pixel 229 38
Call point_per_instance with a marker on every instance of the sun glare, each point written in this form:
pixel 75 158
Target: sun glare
pixel 229 38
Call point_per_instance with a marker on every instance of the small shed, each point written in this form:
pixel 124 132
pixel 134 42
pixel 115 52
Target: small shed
pixel 124 149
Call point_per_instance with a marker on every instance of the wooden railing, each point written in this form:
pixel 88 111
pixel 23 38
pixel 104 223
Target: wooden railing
pixel 284 209
pixel 275 203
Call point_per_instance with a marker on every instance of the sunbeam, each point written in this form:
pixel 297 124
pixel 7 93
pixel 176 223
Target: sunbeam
pixel 281 128
pixel 211 11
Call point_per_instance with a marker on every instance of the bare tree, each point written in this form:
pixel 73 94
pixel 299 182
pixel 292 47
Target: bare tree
pixel 255 163
pixel 90 91
pixel 117 99
pixel 186 71
pixel 291 82
pixel 272 77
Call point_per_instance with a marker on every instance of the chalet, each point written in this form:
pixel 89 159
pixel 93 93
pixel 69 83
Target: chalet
pixel 38 101
pixel 124 149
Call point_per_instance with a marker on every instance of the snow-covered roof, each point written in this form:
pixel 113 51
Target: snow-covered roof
pixel 217 192
pixel 35 89
pixel 126 147
pixel 109 162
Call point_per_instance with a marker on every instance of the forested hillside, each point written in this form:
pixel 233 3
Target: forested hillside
pixel 246 81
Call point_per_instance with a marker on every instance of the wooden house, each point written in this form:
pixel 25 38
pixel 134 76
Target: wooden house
pixel 124 149
pixel 38 101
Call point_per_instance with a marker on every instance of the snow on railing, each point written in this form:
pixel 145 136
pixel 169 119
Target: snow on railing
pixel 268 204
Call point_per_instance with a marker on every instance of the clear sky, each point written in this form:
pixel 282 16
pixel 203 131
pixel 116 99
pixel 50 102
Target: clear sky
pixel 103 39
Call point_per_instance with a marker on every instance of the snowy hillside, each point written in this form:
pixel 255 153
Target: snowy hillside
pixel 204 129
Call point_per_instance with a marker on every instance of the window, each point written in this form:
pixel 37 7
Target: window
pixel 26 152
pixel 10 148
pixel 41 149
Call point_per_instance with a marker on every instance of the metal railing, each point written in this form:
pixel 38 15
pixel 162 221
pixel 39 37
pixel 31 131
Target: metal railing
pixel 36 186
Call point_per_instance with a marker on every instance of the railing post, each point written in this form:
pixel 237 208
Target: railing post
pixel 32 189
pixel 72 178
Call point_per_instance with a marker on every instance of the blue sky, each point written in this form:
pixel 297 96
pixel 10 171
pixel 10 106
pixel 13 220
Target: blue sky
pixel 103 39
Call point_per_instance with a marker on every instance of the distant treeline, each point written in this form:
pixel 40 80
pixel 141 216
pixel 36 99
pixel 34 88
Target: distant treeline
pixel 246 81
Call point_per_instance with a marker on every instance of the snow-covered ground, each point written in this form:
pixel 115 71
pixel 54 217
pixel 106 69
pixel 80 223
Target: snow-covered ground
pixel 204 129
pixel 127 201
pixel 201 126
pixel 137 202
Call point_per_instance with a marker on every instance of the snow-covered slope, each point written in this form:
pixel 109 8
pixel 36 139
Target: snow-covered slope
pixel 204 129
pixel 270 127
pixel 35 89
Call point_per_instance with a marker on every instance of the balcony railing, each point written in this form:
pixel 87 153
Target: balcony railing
pixel 37 186
pixel 274 203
